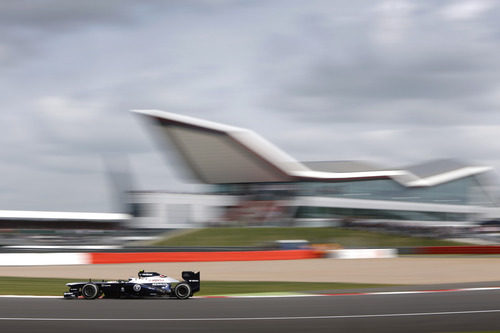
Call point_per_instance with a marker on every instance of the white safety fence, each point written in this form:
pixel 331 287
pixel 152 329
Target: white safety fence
pixel 362 253
pixel 39 259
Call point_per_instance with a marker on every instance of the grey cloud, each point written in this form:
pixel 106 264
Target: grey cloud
pixel 28 25
pixel 444 67
pixel 52 15
pixel 321 79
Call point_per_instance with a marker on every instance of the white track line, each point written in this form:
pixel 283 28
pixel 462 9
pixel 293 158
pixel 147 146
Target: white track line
pixel 414 314
pixel 407 292
pixel 312 295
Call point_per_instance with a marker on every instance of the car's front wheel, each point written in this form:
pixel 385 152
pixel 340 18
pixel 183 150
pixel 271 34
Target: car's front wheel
pixel 90 291
pixel 182 290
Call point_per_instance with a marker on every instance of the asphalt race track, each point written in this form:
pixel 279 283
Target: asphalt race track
pixel 433 312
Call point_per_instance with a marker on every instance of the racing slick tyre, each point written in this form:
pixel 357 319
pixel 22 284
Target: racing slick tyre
pixel 182 290
pixel 90 291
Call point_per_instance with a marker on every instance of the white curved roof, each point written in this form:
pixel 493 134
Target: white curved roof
pixel 218 154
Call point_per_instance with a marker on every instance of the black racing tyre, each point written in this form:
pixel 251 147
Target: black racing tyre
pixel 90 291
pixel 182 290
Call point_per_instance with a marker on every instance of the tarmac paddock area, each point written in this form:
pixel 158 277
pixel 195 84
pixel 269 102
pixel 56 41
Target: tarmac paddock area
pixel 401 270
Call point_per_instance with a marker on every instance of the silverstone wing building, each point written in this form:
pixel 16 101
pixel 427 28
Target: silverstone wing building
pixel 254 182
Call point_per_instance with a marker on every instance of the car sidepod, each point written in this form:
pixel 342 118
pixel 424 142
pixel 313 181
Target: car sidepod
pixel 145 289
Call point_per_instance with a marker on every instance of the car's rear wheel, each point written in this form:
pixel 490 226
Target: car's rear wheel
pixel 90 291
pixel 182 290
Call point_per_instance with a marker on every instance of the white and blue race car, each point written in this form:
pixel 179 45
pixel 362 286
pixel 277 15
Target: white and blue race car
pixel 147 284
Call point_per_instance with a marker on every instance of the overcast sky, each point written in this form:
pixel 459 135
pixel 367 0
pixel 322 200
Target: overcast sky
pixel 394 82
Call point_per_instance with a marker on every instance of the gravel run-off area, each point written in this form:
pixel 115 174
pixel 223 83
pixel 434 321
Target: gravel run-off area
pixel 402 270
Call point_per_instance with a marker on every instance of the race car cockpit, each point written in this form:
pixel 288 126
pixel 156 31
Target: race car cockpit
pixel 143 274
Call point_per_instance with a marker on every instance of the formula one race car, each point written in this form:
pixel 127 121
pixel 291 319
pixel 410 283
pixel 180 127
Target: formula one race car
pixel 148 284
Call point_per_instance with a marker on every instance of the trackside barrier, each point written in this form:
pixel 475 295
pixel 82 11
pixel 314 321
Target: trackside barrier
pixel 39 259
pixel 43 259
pixel 136 257
pixel 362 253
pixel 473 249
pixel 407 250
pixel 32 259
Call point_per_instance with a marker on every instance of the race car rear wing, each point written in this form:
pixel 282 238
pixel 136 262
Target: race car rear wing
pixel 193 279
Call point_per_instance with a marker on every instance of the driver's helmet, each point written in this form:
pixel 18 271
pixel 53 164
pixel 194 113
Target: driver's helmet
pixel 140 273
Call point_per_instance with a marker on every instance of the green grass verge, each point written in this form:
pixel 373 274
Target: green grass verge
pixel 33 286
pixel 260 236
pixel 56 286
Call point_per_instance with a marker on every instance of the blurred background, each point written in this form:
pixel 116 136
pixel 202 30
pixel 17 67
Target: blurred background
pixel 385 114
